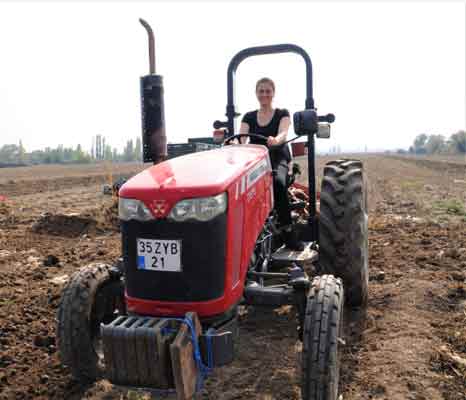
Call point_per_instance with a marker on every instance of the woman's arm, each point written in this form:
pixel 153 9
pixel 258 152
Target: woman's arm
pixel 244 129
pixel 282 134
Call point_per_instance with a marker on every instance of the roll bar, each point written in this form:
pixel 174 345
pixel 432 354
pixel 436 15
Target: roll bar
pixel 259 51
pixel 312 233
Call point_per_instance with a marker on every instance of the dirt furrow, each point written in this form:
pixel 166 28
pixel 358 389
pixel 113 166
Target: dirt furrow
pixel 407 344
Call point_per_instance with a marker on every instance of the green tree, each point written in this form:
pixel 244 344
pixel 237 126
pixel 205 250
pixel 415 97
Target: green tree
pixel 108 155
pixel 98 147
pixel 138 150
pixel 435 144
pixel 128 153
pixel 420 143
pixel 93 148
pixel 458 141
pixel 102 152
pixel 9 153
pixel 80 156
pixel 22 152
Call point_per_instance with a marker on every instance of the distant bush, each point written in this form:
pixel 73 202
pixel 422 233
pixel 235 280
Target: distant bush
pixel 13 154
pixel 437 144
pixel 458 141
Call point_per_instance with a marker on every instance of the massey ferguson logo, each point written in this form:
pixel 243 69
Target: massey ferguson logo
pixel 159 207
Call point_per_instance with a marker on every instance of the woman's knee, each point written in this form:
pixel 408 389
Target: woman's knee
pixel 279 183
pixel 280 178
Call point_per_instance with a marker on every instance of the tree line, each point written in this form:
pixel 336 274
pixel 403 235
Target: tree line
pixel 101 150
pixel 439 144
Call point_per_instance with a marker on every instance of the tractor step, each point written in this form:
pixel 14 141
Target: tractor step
pixel 273 296
pixel 284 256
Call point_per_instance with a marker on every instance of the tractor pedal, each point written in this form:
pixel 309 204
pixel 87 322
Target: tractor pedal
pixel 298 205
pixel 284 256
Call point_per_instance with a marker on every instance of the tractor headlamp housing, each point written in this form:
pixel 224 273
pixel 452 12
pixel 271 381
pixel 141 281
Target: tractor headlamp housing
pixel 133 209
pixel 200 209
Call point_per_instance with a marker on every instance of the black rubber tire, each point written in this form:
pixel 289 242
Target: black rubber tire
pixel 343 232
pixel 91 296
pixel 323 323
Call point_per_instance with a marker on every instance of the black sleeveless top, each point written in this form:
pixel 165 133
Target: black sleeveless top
pixel 278 154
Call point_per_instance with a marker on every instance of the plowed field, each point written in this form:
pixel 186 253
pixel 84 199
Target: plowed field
pixel 410 343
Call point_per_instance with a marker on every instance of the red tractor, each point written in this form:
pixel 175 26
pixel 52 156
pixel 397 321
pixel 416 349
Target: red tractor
pixel 199 239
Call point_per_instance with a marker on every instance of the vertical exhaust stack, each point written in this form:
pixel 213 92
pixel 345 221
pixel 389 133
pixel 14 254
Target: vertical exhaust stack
pixel 154 139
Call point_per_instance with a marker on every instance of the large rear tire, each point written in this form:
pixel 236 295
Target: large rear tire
pixel 93 295
pixel 322 328
pixel 343 231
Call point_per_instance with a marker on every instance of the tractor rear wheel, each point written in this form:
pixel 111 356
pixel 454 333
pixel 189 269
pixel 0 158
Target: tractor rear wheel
pixel 92 296
pixel 322 329
pixel 343 242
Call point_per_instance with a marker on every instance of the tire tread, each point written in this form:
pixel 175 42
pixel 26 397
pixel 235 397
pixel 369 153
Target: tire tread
pixel 73 321
pixel 322 326
pixel 342 234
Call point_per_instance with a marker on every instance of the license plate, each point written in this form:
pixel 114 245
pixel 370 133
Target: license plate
pixel 159 255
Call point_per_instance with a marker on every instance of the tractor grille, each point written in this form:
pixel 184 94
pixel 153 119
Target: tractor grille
pixel 202 256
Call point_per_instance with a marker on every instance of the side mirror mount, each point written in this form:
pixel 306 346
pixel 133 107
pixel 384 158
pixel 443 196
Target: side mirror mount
pixel 219 135
pixel 323 132
pixel 305 122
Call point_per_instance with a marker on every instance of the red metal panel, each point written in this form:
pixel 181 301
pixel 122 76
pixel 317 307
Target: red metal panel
pixel 248 208
pixel 200 174
pixel 298 149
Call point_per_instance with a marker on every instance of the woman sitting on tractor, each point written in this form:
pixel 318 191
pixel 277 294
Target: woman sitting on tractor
pixel 274 124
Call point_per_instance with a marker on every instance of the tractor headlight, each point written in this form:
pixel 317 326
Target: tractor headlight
pixel 200 209
pixel 133 209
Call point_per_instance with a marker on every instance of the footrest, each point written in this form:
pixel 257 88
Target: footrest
pixel 298 205
pixel 269 296
pixel 284 256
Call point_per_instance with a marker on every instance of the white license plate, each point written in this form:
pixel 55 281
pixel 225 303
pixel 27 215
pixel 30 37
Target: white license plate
pixel 159 255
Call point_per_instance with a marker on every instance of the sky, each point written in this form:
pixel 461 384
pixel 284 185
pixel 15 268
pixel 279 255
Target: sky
pixel 388 71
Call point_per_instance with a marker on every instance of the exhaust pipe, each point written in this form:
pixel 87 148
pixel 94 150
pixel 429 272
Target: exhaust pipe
pixel 154 139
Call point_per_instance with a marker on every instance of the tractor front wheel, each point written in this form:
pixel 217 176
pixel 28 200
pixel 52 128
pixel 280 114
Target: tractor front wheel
pixel 323 322
pixel 92 296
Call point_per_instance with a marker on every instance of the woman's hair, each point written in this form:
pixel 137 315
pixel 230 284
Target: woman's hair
pixel 265 80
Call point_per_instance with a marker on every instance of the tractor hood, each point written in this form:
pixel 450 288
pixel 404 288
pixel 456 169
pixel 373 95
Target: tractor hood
pixel 201 174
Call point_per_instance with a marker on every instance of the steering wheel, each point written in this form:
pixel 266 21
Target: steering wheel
pixel 251 135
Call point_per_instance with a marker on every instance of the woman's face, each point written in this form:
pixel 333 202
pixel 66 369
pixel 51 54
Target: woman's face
pixel 265 94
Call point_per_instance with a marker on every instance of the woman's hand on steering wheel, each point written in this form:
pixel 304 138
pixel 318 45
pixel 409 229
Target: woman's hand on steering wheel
pixel 270 141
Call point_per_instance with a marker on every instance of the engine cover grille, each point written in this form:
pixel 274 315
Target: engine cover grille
pixel 203 249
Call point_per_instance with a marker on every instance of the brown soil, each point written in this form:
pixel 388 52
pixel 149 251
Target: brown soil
pixel 46 178
pixel 103 219
pixel 409 344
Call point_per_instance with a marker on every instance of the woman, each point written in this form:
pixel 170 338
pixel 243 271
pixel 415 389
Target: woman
pixel 274 124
